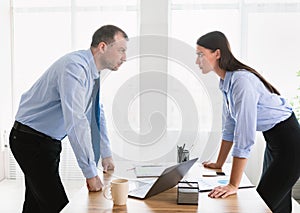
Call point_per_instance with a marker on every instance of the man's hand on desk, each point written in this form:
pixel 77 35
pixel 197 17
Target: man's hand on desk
pixel 223 191
pixel 108 164
pixel 94 184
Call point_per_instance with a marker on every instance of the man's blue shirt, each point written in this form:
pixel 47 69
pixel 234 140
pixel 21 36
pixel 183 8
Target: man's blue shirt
pixel 59 104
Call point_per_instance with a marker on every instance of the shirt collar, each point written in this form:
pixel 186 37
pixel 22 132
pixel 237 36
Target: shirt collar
pixel 224 84
pixel 94 70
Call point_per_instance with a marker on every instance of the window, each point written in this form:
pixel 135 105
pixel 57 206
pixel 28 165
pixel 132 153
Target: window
pixel 204 17
pixel 263 34
pixel 44 30
pixel 245 23
pixel 273 51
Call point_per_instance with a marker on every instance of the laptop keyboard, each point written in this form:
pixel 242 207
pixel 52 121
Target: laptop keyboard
pixel 141 190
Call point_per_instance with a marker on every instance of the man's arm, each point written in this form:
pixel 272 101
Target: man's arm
pixel 74 103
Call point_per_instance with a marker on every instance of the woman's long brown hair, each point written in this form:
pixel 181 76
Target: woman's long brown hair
pixel 217 40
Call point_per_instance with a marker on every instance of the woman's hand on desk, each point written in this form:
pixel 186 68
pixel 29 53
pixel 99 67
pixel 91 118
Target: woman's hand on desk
pixel 211 165
pixel 94 184
pixel 223 191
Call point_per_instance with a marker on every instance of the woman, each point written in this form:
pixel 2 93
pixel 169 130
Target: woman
pixel 252 104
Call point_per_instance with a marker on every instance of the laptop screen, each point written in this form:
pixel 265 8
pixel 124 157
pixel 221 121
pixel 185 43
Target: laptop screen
pixel 170 177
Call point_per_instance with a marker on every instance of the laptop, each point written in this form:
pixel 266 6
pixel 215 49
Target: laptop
pixel 168 179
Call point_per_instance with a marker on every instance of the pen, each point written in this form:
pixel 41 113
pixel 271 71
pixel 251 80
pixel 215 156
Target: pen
pixel 182 151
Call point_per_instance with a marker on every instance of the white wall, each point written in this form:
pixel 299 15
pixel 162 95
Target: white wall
pixel 255 161
pixel 5 82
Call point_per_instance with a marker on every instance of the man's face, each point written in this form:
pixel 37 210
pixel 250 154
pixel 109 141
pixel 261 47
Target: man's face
pixel 115 53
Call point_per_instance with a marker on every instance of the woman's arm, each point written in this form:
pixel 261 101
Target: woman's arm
pixel 223 153
pixel 238 166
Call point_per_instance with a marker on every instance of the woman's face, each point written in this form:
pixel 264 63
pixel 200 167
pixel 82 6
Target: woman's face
pixel 206 59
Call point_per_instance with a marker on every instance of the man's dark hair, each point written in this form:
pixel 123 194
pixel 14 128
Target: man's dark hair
pixel 106 34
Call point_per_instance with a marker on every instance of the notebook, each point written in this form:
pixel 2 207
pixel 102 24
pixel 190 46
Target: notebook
pixel 149 171
pixel 168 179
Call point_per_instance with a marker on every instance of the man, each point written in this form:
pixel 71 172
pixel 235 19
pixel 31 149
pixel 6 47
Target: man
pixel 65 102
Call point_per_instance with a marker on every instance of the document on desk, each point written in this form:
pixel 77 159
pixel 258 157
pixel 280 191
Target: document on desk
pixel 208 183
pixel 144 171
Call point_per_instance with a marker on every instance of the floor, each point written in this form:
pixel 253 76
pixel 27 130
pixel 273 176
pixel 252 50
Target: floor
pixel 12 193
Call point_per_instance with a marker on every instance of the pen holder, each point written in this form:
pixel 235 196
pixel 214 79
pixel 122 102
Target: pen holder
pixel 183 156
pixel 187 193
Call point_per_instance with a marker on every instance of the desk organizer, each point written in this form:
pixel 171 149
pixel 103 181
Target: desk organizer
pixel 187 193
